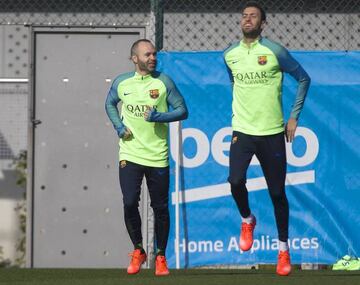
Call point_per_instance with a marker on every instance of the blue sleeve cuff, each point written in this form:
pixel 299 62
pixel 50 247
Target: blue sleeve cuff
pixel 180 113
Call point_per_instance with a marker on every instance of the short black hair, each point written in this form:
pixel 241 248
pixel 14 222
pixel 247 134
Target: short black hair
pixel 135 45
pixel 256 5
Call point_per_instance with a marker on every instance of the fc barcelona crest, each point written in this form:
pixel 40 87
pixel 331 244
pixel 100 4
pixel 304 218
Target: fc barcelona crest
pixel 122 163
pixel 154 93
pixel 262 59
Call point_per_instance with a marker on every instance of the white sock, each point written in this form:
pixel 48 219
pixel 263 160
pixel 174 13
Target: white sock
pixel 249 219
pixel 283 245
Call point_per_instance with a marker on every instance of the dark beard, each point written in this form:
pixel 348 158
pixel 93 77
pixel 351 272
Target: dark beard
pixel 144 67
pixel 253 34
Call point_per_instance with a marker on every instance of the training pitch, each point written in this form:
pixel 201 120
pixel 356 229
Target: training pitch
pixel 185 277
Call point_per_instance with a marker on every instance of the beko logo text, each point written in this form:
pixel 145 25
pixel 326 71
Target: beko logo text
pixel 217 147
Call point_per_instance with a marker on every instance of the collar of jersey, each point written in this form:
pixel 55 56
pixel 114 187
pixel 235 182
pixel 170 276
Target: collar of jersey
pixel 142 77
pixel 252 45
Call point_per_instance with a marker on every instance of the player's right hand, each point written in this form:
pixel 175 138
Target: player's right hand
pixel 124 132
pixel 127 134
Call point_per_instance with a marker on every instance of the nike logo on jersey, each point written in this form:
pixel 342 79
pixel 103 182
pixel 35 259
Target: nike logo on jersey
pixel 235 61
pixel 125 94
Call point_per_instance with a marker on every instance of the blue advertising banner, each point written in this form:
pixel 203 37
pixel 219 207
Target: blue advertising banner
pixel 323 170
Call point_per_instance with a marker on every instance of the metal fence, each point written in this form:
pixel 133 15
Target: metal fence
pixel 298 24
pixel 201 24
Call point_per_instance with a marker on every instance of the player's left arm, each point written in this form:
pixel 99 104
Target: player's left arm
pixel 289 65
pixel 176 103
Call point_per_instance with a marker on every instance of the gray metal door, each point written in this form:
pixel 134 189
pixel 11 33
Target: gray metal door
pixel 77 204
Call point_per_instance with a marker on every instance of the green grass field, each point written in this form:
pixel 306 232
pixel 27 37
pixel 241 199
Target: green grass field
pixel 184 277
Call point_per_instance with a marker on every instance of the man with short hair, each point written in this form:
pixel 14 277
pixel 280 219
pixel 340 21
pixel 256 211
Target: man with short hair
pixel 256 65
pixel 146 96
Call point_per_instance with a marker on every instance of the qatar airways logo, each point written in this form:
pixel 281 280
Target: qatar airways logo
pixel 250 78
pixel 219 149
pixel 138 110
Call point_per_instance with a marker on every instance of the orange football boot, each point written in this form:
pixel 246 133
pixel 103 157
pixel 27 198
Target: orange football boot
pixel 283 267
pixel 161 266
pixel 137 259
pixel 247 235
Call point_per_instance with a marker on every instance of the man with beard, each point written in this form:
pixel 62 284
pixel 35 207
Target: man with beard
pixel 256 66
pixel 146 96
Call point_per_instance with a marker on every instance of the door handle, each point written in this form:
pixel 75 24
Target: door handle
pixel 35 122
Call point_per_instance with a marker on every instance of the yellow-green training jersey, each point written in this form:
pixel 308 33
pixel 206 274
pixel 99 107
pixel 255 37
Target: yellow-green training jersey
pixel 257 73
pixel 148 144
